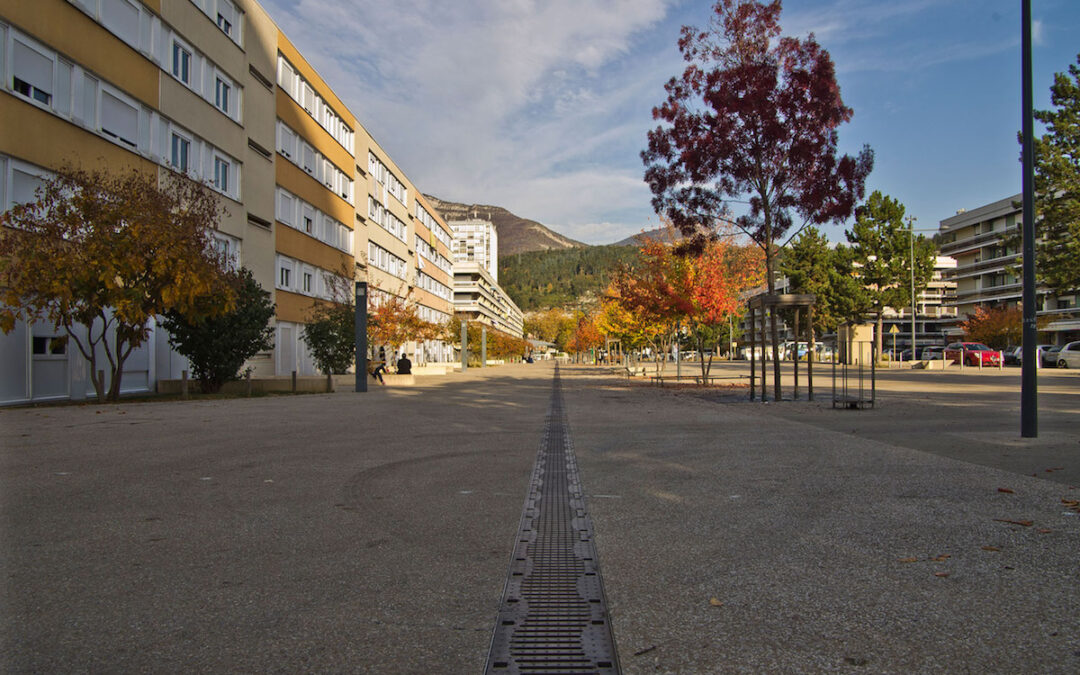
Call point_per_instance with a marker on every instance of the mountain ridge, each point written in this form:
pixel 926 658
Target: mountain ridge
pixel 516 234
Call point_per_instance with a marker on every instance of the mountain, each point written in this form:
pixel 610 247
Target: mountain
pixel 561 277
pixel 516 234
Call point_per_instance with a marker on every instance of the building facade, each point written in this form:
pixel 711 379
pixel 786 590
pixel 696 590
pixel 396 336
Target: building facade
pixel 985 244
pixel 476 241
pixel 214 90
pixel 478 298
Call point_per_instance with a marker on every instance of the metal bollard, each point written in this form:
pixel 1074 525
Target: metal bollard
pixel 184 385
pixel 294 381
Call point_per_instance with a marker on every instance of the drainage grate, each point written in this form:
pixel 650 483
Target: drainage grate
pixel 553 617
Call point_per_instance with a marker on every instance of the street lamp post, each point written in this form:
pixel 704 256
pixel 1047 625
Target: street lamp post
pixel 911 236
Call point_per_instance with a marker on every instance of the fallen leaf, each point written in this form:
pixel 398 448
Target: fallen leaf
pixel 1006 490
pixel 715 602
pixel 909 560
pixel 990 548
pixel 1043 531
pixel 644 651
pixel 1070 502
pixel 941 574
pixel 1025 523
pixel 941 558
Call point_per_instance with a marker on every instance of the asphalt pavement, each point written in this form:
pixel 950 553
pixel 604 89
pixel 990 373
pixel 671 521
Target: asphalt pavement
pixel 372 532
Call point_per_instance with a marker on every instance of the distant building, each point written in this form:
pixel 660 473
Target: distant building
pixel 476 241
pixel 987 269
pixel 478 298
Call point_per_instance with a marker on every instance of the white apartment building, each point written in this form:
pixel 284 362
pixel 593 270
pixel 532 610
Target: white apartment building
pixel 476 241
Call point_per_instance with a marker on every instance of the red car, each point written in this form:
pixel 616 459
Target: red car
pixel 973 353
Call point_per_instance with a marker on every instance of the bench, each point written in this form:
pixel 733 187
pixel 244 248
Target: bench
pixel 658 380
pixel 634 371
pixel 399 380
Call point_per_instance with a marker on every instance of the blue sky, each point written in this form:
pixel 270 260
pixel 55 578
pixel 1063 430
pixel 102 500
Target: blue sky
pixel 542 106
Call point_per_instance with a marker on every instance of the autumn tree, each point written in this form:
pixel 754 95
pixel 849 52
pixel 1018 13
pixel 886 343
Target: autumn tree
pixel 753 119
pixel 882 250
pixel 393 320
pixel 217 346
pixel 586 333
pixel 996 327
pixel 1057 186
pixel 101 253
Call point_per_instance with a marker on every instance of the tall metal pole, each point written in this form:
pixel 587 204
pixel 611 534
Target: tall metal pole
pixel 483 346
pixel 1029 410
pixel 464 345
pixel 911 232
pixel 360 324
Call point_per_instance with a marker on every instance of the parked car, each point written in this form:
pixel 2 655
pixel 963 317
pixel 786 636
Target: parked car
pixel 973 354
pixel 1069 356
pixel 1013 355
pixel 1049 356
pixel 932 352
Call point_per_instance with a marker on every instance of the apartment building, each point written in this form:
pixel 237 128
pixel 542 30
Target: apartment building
pixel 214 90
pixel 987 270
pixel 476 240
pixel 478 298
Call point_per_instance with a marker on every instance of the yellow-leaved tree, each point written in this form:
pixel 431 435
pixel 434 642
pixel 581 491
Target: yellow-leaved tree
pixel 101 253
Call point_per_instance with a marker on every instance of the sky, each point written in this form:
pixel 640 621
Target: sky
pixel 542 106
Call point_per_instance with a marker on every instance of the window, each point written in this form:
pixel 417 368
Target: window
pixel 222 90
pixel 221 174
pixel 181 63
pixel 286 141
pixel 224 24
pixel 119 119
pixel 285 277
pixel 32 73
pixel 50 346
pixel 122 18
pixel 308 277
pixel 181 148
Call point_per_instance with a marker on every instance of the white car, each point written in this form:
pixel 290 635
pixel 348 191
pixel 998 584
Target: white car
pixel 1069 356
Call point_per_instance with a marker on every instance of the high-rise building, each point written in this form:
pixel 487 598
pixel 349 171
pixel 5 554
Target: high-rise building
pixel 214 90
pixel 476 241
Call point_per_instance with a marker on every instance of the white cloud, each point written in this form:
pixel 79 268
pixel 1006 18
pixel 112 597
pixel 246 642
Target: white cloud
pixel 498 102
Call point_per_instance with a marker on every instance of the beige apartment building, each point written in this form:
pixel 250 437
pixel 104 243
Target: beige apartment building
pixel 212 89
pixel 987 269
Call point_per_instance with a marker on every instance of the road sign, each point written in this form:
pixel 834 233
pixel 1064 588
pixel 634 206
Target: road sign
pixel 894 330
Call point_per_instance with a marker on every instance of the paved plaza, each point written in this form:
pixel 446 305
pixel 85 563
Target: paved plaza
pixel 372 532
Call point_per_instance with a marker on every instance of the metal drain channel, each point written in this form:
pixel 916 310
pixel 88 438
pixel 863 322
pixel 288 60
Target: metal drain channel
pixel 553 617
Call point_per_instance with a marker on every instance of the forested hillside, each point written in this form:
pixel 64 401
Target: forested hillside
pixel 557 278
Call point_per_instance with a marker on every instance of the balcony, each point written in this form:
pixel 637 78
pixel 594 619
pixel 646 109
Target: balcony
pixel 960 245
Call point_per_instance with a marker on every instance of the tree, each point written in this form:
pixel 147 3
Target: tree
pixel 813 266
pixel 883 252
pixel 996 327
pixel 1057 186
pixel 393 320
pixel 100 254
pixel 753 117
pixel 217 346
pixel 330 334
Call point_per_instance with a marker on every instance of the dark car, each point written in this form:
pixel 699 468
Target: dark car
pixel 973 354
pixel 1013 355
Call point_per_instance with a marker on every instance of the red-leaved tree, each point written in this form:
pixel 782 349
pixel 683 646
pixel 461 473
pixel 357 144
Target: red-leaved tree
pixel 753 118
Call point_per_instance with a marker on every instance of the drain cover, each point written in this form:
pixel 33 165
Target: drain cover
pixel 553 617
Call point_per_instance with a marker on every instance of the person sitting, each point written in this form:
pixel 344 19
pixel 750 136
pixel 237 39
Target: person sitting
pixel 404 365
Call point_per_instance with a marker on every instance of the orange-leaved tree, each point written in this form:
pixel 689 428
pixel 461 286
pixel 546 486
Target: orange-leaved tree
pixel 101 253
pixel 996 327
pixel 393 320
pixel 586 333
